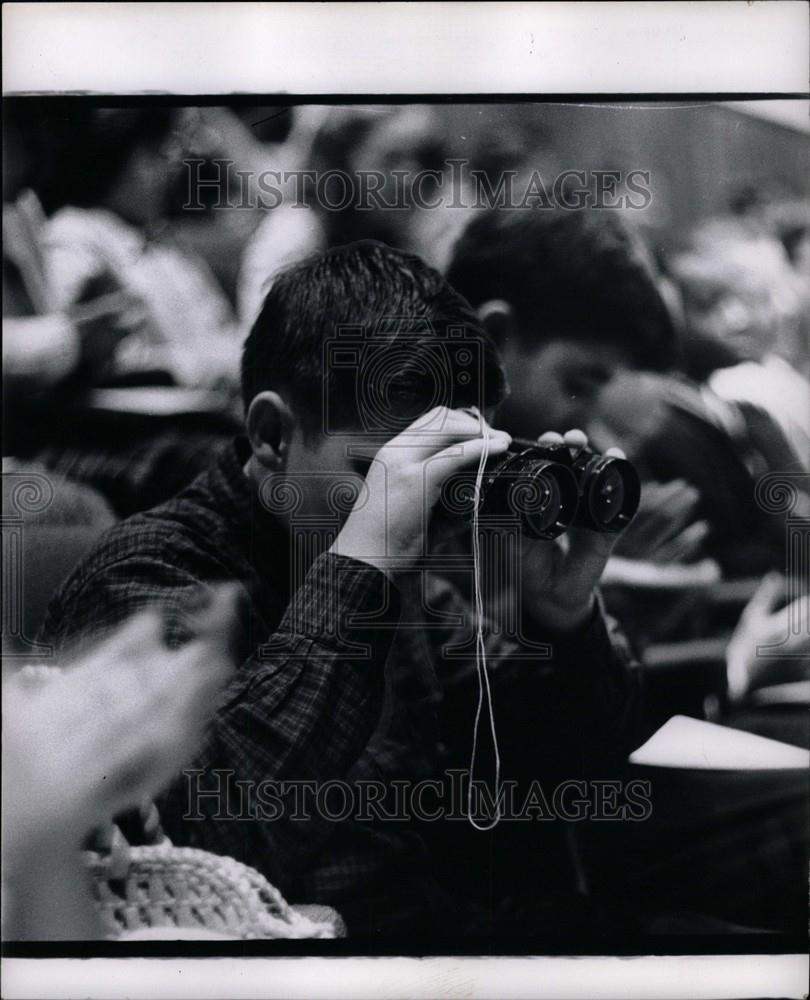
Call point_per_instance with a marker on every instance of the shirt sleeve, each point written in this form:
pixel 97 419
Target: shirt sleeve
pixel 300 709
pixel 293 719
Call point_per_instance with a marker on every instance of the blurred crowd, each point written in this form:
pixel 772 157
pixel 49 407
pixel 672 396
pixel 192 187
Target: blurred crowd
pixel 124 315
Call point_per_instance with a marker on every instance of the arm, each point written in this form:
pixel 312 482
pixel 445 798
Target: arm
pixel 300 710
pixel 302 707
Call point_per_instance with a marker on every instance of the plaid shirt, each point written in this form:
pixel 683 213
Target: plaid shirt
pixel 341 677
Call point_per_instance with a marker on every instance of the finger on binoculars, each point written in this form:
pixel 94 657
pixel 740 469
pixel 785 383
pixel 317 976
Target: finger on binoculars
pixel 576 438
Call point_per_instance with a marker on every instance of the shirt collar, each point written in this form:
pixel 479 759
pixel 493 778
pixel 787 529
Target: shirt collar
pixel 237 501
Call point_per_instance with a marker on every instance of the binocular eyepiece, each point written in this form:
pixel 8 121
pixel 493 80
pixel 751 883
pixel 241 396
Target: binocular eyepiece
pixel 548 489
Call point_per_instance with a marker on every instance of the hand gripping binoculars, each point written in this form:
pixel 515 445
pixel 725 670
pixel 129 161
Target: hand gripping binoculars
pixel 547 489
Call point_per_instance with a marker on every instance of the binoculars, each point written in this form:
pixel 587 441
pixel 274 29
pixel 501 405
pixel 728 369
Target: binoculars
pixel 547 489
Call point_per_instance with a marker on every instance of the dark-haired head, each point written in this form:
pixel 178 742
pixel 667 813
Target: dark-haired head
pixel 584 274
pixel 367 337
pixel 349 348
pixel 569 296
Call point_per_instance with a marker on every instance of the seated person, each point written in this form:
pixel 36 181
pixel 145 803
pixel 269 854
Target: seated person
pixel 589 338
pixel 106 185
pixel 90 298
pixel 45 348
pixel 740 293
pixel 573 299
pixel 358 661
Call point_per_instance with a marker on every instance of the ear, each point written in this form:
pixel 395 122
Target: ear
pixel 498 319
pixel 270 424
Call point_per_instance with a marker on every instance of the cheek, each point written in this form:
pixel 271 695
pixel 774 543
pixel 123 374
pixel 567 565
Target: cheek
pixel 526 417
pixel 534 403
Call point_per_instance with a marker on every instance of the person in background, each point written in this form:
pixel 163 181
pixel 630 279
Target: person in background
pixel 397 145
pixel 771 211
pixel 571 298
pixel 105 184
pixel 233 184
pixel 45 345
pixel 741 293
pixel 95 296
pixel 295 228
pixel 50 356
pixel 590 338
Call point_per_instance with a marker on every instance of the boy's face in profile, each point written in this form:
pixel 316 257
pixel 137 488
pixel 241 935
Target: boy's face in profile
pixel 555 386
pixel 326 473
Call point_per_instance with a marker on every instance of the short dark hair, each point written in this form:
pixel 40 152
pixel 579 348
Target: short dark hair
pixel 369 293
pixel 580 274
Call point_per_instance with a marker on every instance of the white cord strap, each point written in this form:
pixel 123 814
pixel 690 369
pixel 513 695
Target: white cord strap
pixel 484 691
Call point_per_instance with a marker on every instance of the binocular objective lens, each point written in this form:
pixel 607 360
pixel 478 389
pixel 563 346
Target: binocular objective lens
pixel 608 496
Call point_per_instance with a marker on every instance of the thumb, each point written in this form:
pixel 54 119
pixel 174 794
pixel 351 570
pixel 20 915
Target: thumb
pixel 591 548
pixel 583 564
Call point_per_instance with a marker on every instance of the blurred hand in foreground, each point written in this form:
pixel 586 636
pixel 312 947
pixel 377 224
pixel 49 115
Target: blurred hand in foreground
pixel 104 735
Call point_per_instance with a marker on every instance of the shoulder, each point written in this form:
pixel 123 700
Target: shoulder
pixel 181 538
pixel 153 557
pixel 134 566
pixel 161 556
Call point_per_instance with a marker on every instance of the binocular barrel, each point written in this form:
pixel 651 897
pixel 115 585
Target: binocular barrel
pixel 548 489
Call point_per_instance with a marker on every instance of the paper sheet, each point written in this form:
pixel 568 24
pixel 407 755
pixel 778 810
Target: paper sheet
pixel 691 743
